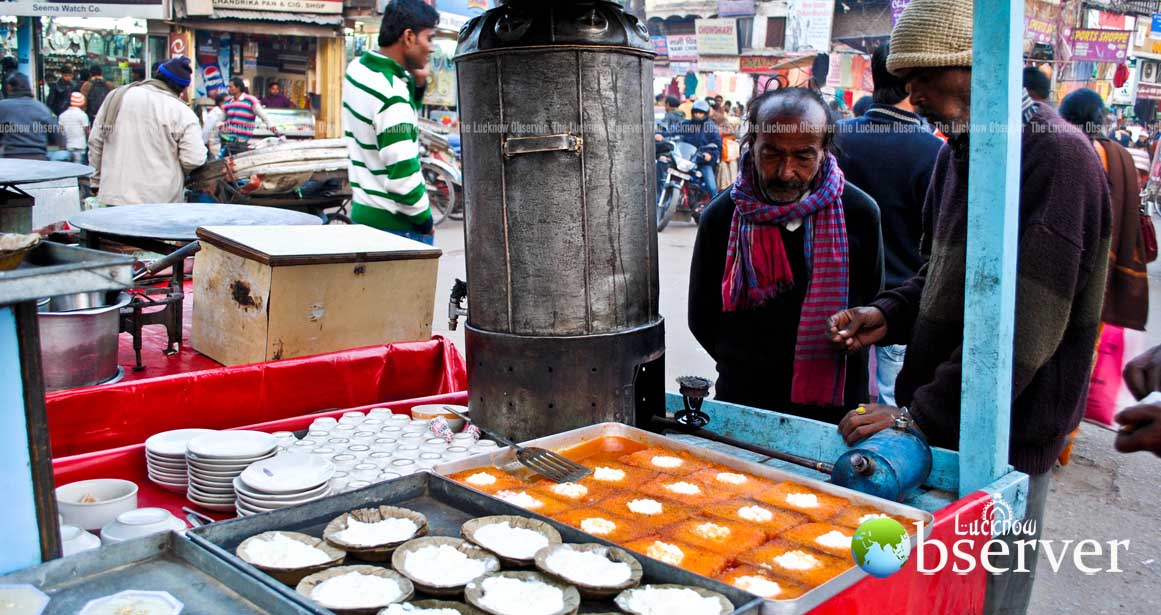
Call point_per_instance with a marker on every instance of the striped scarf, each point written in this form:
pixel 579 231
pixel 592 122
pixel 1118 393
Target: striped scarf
pixel 757 270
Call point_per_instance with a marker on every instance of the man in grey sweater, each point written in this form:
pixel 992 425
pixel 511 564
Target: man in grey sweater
pixel 27 127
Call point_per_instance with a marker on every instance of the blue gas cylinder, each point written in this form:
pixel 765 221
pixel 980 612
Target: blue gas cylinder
pixel 889 464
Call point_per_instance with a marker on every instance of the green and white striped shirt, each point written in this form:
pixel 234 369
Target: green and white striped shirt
pixel 380 121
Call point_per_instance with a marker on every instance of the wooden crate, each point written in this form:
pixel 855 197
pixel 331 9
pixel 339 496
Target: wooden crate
pixel 263 293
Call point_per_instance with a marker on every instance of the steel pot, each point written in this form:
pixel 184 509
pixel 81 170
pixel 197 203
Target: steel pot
pixel 79 347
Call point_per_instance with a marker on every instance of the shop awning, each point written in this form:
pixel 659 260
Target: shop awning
pixel 268 22
pixel 662 9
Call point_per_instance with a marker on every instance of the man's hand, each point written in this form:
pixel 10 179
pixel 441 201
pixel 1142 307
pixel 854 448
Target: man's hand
pixel 857 328
pixel 657 137
pixel 707 157
pixel 874 418
pixel 1140 429
pixel 420 76
pixel 1143 374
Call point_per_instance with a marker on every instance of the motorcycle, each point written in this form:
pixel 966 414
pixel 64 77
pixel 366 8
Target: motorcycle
pixel 682 191
pixel 441 174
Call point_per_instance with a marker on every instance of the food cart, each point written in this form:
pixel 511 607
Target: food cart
pixel 960 484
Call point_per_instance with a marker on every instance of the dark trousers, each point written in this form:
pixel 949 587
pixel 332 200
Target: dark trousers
pixel 1008 594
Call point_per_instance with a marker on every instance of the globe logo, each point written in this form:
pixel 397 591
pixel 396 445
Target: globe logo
pixel 881 547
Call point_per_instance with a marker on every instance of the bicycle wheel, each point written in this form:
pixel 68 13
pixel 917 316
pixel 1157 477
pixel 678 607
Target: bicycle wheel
pixel 441 193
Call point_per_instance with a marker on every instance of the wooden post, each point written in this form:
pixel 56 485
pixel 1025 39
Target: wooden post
pixel 331 67
pixel 993 207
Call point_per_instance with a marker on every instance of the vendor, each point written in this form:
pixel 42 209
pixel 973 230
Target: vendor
pixel 275 99
pixel 788 240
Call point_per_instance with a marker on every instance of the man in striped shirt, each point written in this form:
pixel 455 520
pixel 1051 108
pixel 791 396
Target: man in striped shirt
pixel 380 120
pixel 242 113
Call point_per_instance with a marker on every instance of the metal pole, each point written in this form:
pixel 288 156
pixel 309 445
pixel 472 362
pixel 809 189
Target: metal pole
pixel 993 205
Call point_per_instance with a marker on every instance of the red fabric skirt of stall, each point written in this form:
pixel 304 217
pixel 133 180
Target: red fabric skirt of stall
pixel 117 415
pixel 908 592
pixel 128 462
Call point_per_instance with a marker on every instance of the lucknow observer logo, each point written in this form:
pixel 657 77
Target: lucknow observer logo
pixel 881 546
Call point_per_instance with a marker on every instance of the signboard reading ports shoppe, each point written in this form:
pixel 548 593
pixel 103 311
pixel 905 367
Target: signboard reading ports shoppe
pixel 139 9
pixel 286 6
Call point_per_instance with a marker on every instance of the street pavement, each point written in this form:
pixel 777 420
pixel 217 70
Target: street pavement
pixel 1101 495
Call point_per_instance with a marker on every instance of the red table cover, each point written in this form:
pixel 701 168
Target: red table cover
pixel 111 416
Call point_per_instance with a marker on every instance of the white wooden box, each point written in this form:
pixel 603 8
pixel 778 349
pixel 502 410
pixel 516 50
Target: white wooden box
pixel 263 293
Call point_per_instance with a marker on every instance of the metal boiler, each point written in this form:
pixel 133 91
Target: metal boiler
pixel 556 118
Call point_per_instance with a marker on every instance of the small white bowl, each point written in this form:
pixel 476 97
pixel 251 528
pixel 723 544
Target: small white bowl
pixel 140 522
pixel 430 411
pixel 110 497
pixel 75 540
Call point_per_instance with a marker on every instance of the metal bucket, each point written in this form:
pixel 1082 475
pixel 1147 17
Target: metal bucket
pixel 79 347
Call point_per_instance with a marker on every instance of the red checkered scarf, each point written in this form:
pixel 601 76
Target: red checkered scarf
pixel 757 270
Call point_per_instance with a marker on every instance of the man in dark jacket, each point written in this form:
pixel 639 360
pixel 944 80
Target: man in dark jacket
pixel 704 135
pixel 61 91
pixel 889 153
pixel 1064 228
pixel 673 116
pixel 27 127
pixel 787 240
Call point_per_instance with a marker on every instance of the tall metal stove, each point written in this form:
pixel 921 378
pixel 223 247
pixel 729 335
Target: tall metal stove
pixel 557 123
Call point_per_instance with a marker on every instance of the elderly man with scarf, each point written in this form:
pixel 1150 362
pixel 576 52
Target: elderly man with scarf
pixel 145 140
pixel 776 253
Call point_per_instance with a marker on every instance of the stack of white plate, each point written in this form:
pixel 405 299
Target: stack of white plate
pixel 283 481
pixel 165 457
pixel 215 459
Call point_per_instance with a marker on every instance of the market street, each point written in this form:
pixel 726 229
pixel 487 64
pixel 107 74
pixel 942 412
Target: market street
pixel 1101 495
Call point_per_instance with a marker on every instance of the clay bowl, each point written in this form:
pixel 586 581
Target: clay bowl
pixel 307 585
pixel 587 591
pixel 378 553
pixel 291 576
pixel 622 599
pixel 470 529
pixel 459 607
pixel 474 592
pixel 399 559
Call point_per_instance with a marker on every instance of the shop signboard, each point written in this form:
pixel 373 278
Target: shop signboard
pixel 441 87
pixel 314 7
pixel 1039 30
pixel 660 47
pixel 717 64
pixel 212 71
pixel 809 25
pixel 1148 91
pixel 140 9
pixel 1100 45
pixel 682 47
pixel 1155 27
pixel 897 7
pixel 758 64
pixel 736 8
pixel 717 37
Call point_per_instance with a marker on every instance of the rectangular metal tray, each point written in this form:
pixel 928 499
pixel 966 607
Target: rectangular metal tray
pixel 505 458
pixel 162 562
pixel 447 505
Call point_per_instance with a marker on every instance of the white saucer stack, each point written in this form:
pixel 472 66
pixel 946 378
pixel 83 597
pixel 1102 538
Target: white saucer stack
pixel 217 458
pixel 283 481
pixel 165 457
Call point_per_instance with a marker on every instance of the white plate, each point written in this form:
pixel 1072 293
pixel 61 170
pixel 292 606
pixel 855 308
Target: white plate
pixel 217 472
pixel 233 444
pixel 169 478
pixel 218 506
pixel 267 502
pixel 165 458
pixel 173 443
pixel 288 474
pixel 153 467
pixel 241 488
pixel 173 488
pixel 168 481
pixel 212 489
pixel 218 465
pixel 206 498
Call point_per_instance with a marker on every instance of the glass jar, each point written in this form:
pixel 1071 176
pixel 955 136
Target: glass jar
pixel 364 437
pixel 379 413
pixel 365 471
pixel 407 451
pixel 391 431
pixel 344 430
pixel 324 452
pixel 389 475
pixel 372 424
pixel 357 484
pixel 311 442
pixel 338 442
pixel 324 423
pixel 344 461
pixel 456 452
pixel 359 450
pixel 484 446
pixel 318 434
pixel 428 461
pixel 353 415
pixel 383 445
pixel 466 440
pixel 413 437
pixel 399 419
pixel 434 445
pixel 380 459
pixel 339 481
pixel 403 467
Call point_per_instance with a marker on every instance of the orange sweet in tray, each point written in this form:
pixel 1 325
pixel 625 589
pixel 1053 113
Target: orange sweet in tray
pixel 797 563
pixel 718 535
pixel 770 519
pixel 815 504
pixel 488 480
pixel 647 511
pixel 573 493
pixel 761 583
pixel 855 516
pixel 602 524
pixel 729 480
pixel 679 554
pixel 532 501
pixel 684 490
pixel 830 539
pixel 677 463
pixel 617 475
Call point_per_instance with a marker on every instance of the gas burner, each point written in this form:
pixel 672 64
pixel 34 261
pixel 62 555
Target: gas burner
pixel 694 390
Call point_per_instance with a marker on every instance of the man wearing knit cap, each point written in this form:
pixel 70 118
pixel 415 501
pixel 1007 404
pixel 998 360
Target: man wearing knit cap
pixel 1064 229
pixel 146 139
pixel 74 122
